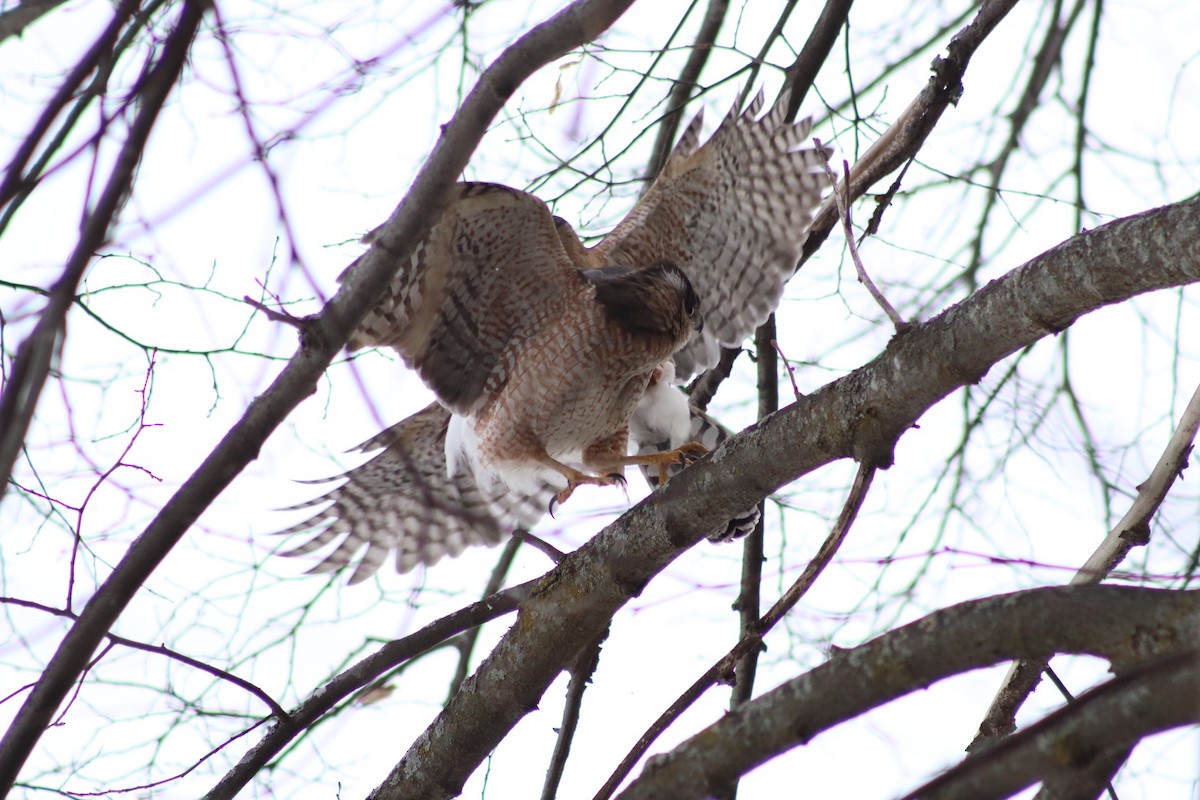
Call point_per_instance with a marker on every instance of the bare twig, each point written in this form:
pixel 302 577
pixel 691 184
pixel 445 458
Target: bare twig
pixel 104 476
pixel 162 650
pixel 840 196
pixel 790 369
pixel 299 323
pixel 541 545
pixel 581 676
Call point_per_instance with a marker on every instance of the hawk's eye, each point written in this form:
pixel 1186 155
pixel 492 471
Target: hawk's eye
pixel 691 303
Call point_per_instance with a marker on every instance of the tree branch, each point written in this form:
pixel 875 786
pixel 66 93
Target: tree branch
pixel 1106 621
pixel 752 636
pixel 14 21
pixel 1094 729
pixel 349 681
pixel 904 138
pixel 581 675
pixel 31 367
pixel 578 23
pixel 860 416
pixel 1133 530
pixel 685 85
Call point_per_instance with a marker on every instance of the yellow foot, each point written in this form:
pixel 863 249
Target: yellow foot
pixel 684 454
pixel 575 478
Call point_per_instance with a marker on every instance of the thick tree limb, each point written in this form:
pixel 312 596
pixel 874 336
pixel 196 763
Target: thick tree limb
pixel 1117 623
pixel 14 21
pixel 860 416
pixel 324 336
pixel 1095 729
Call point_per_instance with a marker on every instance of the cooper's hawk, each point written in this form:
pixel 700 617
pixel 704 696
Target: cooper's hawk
pixel 545 354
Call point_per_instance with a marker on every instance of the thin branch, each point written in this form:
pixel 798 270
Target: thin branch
pixel 791 371
pixel 1132 531
pixel 31 366
pixel 802 73
pixel 702 390
pixel 843 206
pixel 349 681
pixel 749 599
pixel 685 85
pixel 467 641
pixel 581 676
pixel 91 61
pixel 751 640
pixel 1048 57
pixel 764 48
pixel 905 137
pixel 541 545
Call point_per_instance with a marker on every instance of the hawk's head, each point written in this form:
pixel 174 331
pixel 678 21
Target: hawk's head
pixel 657 301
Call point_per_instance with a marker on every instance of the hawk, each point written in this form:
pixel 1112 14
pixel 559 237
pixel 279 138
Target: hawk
pixel 550 360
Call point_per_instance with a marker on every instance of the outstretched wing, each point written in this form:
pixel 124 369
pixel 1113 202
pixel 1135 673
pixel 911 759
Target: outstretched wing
pixel 491 270
pixel 733 214
pixel 403 502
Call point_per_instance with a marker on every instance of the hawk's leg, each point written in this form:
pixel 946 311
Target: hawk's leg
pixel 576 478
pixel 684 454
pixel 609 455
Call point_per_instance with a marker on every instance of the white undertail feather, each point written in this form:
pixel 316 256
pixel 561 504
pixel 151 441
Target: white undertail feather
pixel 496 480
pixel 662 415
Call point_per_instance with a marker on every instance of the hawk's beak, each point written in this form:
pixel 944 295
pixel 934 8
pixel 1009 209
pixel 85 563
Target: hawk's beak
pixel 699 323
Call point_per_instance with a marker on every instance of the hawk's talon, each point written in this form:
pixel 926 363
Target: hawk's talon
pixel 683 455
pixel 576 479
